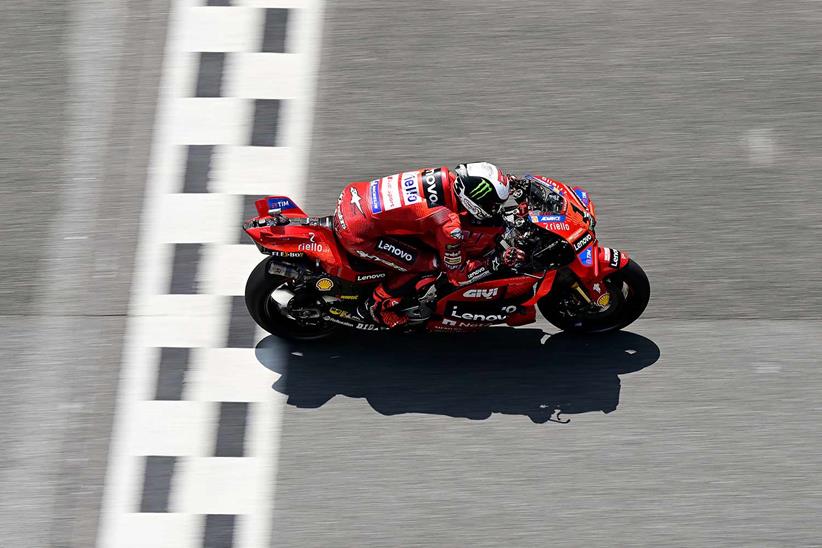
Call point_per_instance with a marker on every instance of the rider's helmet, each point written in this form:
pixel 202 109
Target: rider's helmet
pixel 481 188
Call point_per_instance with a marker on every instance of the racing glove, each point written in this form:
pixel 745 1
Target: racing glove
pixel 513 257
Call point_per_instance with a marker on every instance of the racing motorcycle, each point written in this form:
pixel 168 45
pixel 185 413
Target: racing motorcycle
pixel 309 287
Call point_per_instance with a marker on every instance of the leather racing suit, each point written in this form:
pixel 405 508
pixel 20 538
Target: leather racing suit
pixel 410 223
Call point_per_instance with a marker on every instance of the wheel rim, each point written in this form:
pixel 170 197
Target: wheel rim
pixel 602 319
pixel 276 314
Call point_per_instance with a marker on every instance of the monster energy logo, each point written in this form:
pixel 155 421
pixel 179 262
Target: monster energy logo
pixel 481 190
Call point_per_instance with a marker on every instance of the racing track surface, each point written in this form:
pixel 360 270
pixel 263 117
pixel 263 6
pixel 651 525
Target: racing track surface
pixel 697 129
pixel 79 81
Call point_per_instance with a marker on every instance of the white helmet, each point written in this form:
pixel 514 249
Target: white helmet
pixel 481 188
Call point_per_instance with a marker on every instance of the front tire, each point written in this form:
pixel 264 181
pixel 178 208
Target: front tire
pixel 268 314
pixel 629 289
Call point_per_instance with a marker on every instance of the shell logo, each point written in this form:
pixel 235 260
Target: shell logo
pixel 324 284
pixel 604 300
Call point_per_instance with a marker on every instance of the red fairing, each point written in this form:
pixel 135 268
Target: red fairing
pixel 487 302
pixel 606 262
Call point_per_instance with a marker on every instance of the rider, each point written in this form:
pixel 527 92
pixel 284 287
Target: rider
pixel 374 221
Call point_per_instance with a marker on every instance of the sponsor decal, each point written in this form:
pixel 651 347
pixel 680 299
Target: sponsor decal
pixel 349 297
pixel 340 218
pixel 370 277
pixel 355 200
pixel 324 284
pixel 396 249
pixel 380 260
pixel 478 272
pixel 604 300
pixel 432 187
pixel 311 245
pixel 410 189
pixel 558 227
pixel 339 312
pixel 490 293
pixel 481 190
pixel 615 257
pixel 456 234
pixel 453 323
pixel 452 259
pixel 582 242
pixel 390 192
pixel 463 312
pixel 374 195
pixel 597 287
pixel 281 203
pixel 358 325
pixel 582 195
pixel 587 256
pixel 452 256
pixel 287 254
pixel 548 218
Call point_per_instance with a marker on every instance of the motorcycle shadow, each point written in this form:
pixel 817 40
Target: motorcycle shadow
pixel 501 370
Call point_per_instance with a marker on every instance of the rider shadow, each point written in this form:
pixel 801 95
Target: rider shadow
pixel 500 370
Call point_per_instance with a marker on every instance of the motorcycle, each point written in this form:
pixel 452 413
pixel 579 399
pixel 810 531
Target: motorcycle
pixel 308 286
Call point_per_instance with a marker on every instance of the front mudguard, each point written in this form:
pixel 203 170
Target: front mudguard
pixel 590 273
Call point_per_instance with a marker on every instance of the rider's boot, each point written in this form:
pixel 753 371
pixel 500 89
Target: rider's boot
pixel 402 301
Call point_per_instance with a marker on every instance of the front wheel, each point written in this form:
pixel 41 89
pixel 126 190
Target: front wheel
pixel 629 292
pixel 272 302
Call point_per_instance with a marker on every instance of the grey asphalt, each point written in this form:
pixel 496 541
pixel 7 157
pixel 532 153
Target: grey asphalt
pixel 79 82
pixel 697 129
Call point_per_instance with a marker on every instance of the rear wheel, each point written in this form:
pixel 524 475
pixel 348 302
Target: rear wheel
pixel 282 309
pixel 628 290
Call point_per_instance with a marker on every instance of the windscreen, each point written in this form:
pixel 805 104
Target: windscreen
pixel 542 198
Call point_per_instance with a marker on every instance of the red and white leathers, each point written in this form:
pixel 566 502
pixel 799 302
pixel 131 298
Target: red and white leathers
pixel 385 221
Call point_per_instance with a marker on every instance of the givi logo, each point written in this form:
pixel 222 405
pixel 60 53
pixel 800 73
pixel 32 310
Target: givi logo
pixel 481 293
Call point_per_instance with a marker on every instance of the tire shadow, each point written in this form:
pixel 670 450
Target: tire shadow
pixel 501 370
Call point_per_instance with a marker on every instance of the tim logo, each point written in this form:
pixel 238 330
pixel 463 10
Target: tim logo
pixel 487 294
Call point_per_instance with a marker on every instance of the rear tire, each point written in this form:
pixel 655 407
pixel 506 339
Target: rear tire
pixel 630 292
pixel 266 312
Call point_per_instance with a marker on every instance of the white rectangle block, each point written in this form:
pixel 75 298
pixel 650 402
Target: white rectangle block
pixel 173 428
pixel 263 75
pixel 230 28
pixel 216 485
pixel 164 530
pixel 229 374
pixel 225 268
pixel 199 218
pixel 254 170
pixel 210 121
